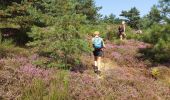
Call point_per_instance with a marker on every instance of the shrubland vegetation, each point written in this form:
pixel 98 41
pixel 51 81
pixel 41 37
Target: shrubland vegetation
pixel 42 40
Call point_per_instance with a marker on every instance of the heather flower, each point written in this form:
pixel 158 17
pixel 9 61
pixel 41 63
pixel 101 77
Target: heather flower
pixel 33 57
pixel 142 46
pixel 87 79
pixel 22 60
pixel 32 71
pixel 2 61
pixel 109 46
pixel 128 58
pixel 125 47
pixel 116 55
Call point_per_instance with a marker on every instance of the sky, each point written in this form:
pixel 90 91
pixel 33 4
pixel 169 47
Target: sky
pixel 116 6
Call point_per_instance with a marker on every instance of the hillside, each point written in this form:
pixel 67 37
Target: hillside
pixel 46 51
pixel 125 75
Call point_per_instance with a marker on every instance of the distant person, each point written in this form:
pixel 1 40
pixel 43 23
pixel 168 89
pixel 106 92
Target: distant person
pixel 121 31
pixel 98 45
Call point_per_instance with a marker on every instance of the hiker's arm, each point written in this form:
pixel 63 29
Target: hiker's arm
pixel 92 42
pixel 104 44
pixel 124 28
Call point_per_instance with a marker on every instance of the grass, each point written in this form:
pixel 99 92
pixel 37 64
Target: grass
pixel 34 92
pixel 7 49
pixel 55 89
pixel 58 89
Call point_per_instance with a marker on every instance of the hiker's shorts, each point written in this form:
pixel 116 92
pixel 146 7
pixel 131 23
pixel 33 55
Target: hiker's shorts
pixel 98 53
pixel 121 34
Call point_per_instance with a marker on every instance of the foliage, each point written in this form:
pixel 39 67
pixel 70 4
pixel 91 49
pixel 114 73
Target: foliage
pixel 58 41
pixel 54 26
pixel 36 91
pixel 109 19
pixel 156 33
pixel 88 8
pixel 8 49
pixel 165 8
pixel 159 37
pixel 57 89
pixel 161 50
pixel 154 17
pixel 155 72
pixel 132 17
pixel 60 34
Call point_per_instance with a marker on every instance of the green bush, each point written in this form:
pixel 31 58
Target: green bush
pixel 155 72
pixel 161 73
pixel 130 34
pixel 162 50
pixel 159 36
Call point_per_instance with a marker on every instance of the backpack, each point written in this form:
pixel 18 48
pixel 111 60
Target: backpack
pixel 97 43
pixel 121 29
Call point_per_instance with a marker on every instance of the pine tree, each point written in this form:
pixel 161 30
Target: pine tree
pixel 132 16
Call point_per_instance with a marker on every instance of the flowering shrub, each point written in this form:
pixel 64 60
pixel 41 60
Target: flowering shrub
pixel 126 54
pixel 129 79
pixel 119 83
pixel 32 71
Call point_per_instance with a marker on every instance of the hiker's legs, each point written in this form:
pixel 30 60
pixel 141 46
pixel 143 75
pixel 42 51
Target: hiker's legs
pixel 99 63
pixel 95 61
pixel 95 64
pixel 121 37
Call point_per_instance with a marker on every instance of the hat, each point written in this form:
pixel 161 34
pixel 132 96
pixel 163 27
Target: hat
pixel 96 33
pixel 123 22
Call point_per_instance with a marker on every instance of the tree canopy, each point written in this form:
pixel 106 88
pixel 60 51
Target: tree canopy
pixel 133 17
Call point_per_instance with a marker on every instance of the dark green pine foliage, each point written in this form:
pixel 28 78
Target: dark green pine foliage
pixel 87 8
pixel 164 5
pixel 153 17
pixel 60 37
pixel 110 19
pixel 159 33
pixel 14 16
pixel 133 17
pixel 54 27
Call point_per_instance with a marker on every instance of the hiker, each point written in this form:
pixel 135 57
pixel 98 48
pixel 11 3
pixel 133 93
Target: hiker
pixel 98 45
pixel 121 31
